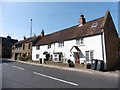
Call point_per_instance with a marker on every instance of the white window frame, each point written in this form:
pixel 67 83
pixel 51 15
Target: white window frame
pixel 80 41
pixel 37 47
pixel 37 56
pixel 89 55
pixel 61 44
pixel 49 46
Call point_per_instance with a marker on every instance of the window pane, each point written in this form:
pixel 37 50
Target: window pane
pixel 77 41
pixel 82 41
pixel 60 44
pixel 87 55
pixel 37 47
pixel 29 46
pixel 91 54
pixel 37 56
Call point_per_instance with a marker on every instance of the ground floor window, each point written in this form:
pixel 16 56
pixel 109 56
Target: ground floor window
pixel 57 57
pixel 89 55
pixel 37 56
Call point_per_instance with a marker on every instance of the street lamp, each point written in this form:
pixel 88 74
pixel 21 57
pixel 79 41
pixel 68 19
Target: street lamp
pixel 31 28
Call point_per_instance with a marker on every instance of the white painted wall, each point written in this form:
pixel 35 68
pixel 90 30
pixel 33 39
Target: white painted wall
pixel 90 43
pixel 34 52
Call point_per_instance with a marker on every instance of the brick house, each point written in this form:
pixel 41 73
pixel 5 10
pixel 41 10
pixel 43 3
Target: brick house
pixel 24 47
pixel 119 53
pixel 95 39
pixel 6 46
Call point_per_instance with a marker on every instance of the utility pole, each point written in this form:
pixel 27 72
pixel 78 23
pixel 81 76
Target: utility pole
pixel 31 28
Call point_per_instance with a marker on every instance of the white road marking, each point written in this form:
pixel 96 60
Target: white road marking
pixel 5 63
pixel 17 67
pixel 57 79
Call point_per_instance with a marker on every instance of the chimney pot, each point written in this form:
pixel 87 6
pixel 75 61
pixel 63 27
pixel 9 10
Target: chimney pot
pixel 82 20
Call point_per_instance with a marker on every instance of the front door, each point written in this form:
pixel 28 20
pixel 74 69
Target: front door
pixel 16 56
pixel 77 57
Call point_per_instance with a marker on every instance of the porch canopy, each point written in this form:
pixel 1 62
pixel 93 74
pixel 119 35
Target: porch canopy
pixel 45 53
pixel 75 49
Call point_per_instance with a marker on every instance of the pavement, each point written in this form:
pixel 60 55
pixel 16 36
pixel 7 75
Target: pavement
pixel 77 69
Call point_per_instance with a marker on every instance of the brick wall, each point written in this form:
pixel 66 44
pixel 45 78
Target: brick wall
pixel 111 43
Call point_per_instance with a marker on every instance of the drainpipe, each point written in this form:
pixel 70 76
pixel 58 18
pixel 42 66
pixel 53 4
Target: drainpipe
pixel 103 50
pixel 102 46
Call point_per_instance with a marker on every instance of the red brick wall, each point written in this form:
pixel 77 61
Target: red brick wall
pixel 111 43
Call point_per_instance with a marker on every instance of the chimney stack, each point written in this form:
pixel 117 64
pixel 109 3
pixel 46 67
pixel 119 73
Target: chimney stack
pixel 9 37
pixel 24 37
pixel 42 33
pixel 82 20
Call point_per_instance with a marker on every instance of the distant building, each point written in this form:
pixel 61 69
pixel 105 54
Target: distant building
pixel 23 48
pixel 96 39
pixel 6 46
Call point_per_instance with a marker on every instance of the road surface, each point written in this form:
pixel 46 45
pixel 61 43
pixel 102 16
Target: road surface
pixel 19 75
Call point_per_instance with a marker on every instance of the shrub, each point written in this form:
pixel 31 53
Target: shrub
pixel 25 58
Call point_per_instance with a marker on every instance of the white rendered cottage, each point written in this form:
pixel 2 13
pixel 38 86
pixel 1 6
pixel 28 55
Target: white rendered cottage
pixel 96 39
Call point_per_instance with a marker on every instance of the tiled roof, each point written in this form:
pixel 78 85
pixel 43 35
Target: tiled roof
pixel 73 32
pixel 27 40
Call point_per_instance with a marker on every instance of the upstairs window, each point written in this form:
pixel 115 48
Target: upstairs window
pixel 49 46
pixel 23 47
pixel 37 47
pixel 61 44
pixel 13 48
pixel 29 46
pixel 80 41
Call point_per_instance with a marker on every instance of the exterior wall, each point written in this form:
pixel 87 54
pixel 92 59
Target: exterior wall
pixel 0 47
pixel 119 53
pixel 34 52
pixel 18 49
pixel 27 50
pixel 6 46
pixel 90 43
pixel 111 44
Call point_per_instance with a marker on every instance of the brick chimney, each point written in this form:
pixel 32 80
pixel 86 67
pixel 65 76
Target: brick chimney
pixel 42 33
pixel 9 37
pixel 82 20
pixel 24 37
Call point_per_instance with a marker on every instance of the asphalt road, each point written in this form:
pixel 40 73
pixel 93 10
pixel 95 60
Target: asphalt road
pixel 19 75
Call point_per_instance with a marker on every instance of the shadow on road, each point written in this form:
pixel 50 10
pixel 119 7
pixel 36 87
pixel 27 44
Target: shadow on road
pixel 6 61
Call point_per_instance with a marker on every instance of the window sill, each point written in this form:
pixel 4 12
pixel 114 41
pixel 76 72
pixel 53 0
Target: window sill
pixel 81 45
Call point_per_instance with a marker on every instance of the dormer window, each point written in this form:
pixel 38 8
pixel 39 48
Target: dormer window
pixel 94 24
